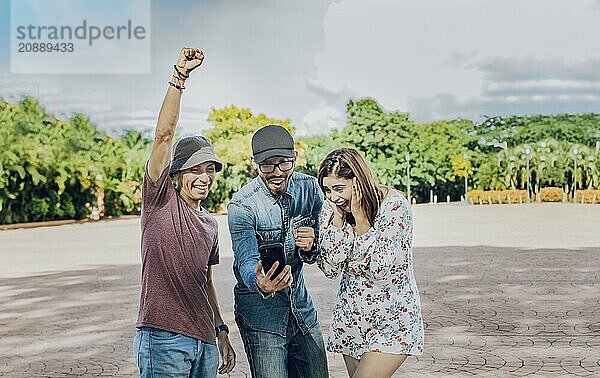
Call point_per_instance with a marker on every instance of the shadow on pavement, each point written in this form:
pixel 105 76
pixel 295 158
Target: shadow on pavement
pixel 488 311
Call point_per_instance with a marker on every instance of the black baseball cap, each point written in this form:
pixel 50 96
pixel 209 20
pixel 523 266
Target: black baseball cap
pixel 270 141
pixel 192 151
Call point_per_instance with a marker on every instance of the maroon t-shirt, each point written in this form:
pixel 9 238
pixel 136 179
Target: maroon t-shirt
pixel 178 245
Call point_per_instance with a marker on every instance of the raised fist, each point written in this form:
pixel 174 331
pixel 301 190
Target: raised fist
pixel 189 59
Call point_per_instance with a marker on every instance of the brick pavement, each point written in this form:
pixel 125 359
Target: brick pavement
pixel 489 311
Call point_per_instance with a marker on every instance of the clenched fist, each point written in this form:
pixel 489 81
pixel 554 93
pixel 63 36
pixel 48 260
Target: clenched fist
pixel 189 59
pixel 304 237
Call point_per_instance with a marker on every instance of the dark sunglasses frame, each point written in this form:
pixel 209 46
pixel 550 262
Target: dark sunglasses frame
pixel 269 168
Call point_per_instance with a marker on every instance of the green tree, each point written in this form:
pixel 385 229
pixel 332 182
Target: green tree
pixel 385 138
pixel 50 168
pixel 314 150
pixel 461 166
pixel 433 147
pixel 517 130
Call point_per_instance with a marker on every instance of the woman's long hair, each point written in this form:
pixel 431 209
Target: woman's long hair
pixel 347 163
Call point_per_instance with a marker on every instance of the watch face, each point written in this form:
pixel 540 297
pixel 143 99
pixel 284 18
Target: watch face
pixel 221 328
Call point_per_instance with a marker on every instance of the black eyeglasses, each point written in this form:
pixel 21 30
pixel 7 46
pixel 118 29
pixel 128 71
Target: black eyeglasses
pixel 284 166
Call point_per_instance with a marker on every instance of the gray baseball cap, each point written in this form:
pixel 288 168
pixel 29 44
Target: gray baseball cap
pixel 191 151
pixel 270 141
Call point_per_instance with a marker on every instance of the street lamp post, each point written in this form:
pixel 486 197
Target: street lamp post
pixel 407 157
pixel 466 156
pixel 575 152
pixel 527 152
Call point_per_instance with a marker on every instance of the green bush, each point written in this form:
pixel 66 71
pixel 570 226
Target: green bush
pixel 50 168
pixel 56 169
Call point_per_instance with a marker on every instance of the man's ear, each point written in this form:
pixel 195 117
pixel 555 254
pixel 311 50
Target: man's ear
pixel 175 180
pixel 254 165
pixel 295 155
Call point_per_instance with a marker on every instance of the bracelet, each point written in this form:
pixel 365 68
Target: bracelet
pixel 177 79
pixel 180 73
pixel 221 328
pixel 180 88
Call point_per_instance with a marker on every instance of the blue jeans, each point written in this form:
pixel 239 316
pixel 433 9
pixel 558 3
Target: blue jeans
pixel 296 355
pixel 160 353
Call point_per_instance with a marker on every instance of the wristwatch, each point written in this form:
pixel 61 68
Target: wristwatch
pixel 221 328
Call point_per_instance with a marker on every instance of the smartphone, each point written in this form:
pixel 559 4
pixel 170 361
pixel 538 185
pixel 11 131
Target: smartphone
pixel 269 254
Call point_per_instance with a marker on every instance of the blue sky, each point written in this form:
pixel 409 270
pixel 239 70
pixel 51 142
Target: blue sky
pixel 4 35
pixel 439 59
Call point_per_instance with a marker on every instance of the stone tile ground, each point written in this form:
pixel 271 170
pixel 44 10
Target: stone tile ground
pixel 488 311
pixel 506 291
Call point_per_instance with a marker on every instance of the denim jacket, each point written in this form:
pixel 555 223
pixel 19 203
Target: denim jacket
pixel 255 217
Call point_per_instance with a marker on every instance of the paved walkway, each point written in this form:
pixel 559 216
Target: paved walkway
pixel 506 291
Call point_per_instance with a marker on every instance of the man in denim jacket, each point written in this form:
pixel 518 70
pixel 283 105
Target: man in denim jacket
pixel 275 315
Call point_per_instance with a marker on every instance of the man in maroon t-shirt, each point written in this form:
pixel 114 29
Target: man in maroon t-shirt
pixel 179 322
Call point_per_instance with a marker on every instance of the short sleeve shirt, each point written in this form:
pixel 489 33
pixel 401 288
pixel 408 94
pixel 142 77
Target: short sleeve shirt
pixel 178 244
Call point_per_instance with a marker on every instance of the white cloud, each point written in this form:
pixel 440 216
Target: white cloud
pixel 321 121
pixel 436 59
pixel 304 60
pixel 258 54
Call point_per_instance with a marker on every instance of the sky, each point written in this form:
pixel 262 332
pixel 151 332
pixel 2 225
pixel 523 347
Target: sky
pixel 303 60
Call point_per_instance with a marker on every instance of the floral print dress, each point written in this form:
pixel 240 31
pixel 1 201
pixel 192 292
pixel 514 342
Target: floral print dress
pixel 378 307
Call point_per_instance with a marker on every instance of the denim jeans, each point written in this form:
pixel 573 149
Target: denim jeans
pixel 160 353
pixel 296 355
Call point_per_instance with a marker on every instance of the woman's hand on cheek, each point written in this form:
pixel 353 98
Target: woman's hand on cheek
pixel 339 215
pixel 356 204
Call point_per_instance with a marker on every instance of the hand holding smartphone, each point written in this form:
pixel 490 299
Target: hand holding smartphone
pixel 269 254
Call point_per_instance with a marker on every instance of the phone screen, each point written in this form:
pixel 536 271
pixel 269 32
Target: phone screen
pixel 269 254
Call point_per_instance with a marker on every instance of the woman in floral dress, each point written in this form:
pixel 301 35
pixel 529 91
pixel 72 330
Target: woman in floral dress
pixel 366 234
